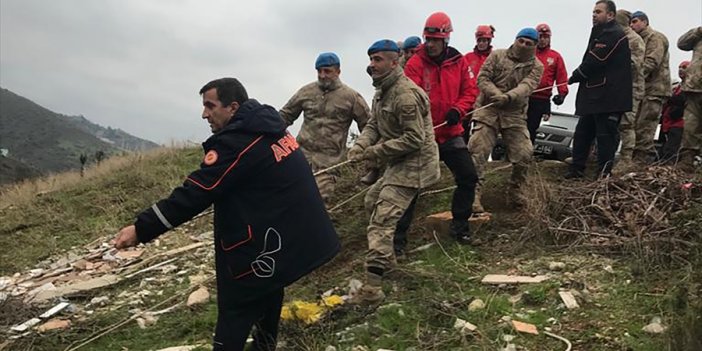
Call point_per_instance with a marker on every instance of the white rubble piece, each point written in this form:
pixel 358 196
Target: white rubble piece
pixel 569 300
pixel 655 327
pixel 146 319
pixel 99 301
pixel 556 266
pixel 26 325
pixel 99 282
pixel 464 327
pixel 476 305
pixel 54 310
pixel 496 279
pixel 181 348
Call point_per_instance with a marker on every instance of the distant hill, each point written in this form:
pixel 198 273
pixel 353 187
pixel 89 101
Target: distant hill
pixel 51 142
pixel 12 170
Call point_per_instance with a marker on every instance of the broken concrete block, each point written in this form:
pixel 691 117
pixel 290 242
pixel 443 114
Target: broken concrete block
pixel 196 280
pixel 476 305
pixel 497 279
pixel 99 301
pixel 525 327
pixel 146 320
pixel 26 325
pixel 129 255
pixel 568 300
pixel 655 327
pixel 198 296
pixel 99 282
pixel 54 324
pixel 54 310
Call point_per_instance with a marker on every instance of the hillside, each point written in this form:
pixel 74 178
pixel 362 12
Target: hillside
pixel 12 170
pixel 621 282
pixel 50 142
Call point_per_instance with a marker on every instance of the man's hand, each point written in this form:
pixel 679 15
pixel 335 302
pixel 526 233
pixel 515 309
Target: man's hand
pixel 126 237
pixel 371 153
pixel 572 80
pixel 558 99
pixel 546 116
pixel 500 100
pixel 355 154
pixel 453 117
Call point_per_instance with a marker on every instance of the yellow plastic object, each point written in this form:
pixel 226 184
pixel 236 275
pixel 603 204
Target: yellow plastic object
pixel 309 312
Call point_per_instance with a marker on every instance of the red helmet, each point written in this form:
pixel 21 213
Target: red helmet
pixel 543 29
pixel 485 31
pixel 438 26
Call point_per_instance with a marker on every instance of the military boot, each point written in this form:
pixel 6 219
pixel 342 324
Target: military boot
pixel 371 292
pixel 460 230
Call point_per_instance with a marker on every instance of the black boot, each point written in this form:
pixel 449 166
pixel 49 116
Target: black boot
pixel 460 230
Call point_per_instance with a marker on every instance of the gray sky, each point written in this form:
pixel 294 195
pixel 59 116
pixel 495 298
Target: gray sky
pixel 138 64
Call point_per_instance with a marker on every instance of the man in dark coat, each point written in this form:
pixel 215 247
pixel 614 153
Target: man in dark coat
pixel 270 224
pixel 604 93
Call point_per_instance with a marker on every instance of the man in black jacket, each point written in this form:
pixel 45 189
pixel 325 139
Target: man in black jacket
pixel 604 93
pixel 270 224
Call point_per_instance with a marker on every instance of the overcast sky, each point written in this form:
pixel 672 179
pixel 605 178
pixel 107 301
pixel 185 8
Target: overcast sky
pixel 138 64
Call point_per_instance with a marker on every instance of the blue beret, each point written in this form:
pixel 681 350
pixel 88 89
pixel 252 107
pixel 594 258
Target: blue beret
pixel 327 59
pixel 383 45
pixel 640 14
pixel 529 33
pixel 411 42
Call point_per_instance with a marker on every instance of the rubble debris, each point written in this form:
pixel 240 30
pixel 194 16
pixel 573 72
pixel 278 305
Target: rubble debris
pixel 26 325
pixel 98 282
pixel 497 279
pixel 464 327
pixel 508 337
pixel 181 348
pixel 556 266
pixel 129 255
pixel 54 324
pixel 525 327
pixel 569 300
pixel 441 222
pixel 99 301
pixel 54 310
pixel 146 319
pixel 655 326
pixel 476 305
pixel 198 297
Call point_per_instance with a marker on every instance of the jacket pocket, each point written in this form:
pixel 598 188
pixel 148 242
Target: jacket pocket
pixel 238 252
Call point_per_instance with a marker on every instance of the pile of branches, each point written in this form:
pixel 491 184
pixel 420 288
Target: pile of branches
pixel 640 212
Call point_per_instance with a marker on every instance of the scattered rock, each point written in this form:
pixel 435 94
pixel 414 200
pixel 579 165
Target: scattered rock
pixel 497 279
pixel 464 327
pixel 525 327
pixel 655 327
pixel 54 324
pixel 609 269
pixel 99 282
pixel 198 296
pixel 99 301
pixel 129 255
pixel 146 320
pixel 556 266
pixel 197 279
pixel 330 348
pixel 508 337
pixel 476 305
pixel 568 300
pixel 354 286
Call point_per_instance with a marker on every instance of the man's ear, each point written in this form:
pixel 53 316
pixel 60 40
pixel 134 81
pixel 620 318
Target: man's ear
pixel 234 106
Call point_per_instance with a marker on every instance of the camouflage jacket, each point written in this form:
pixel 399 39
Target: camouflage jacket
pixel 400 133
pixel 327 117
pixel 503 73
pixel 692 41
pixel 655 67
pixel 638 50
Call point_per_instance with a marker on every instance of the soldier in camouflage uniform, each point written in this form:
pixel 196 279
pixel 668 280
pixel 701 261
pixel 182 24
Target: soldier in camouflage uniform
pixel 692 86
pixel 507 79
pixel 626 125
pixel 329 107
pixel 657 75
pixel 399 135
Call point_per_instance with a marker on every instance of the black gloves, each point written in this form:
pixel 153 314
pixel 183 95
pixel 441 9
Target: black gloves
pixel 558 100
pixel 453 117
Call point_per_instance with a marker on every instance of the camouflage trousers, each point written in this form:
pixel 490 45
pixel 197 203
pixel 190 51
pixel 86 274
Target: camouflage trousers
pixel 692 132
pixel 326 183
pixel 386 203
pixel 516 141
pixel 627 132
pixel 647 118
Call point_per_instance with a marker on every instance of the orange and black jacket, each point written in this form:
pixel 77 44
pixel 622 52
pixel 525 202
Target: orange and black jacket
pixel 270 224
pixel 605 73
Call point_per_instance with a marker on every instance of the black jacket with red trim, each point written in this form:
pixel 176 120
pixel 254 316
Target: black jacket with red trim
pixel 270 224
pixel 605 73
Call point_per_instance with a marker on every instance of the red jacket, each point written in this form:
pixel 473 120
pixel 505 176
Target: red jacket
pixel 677 101
pixel 475 59
pixel 554 71
pixel 451 85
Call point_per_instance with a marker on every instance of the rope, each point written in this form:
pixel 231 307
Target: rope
pixel 331 168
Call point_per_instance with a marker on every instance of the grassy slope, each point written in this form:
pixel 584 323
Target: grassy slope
pixel 426 293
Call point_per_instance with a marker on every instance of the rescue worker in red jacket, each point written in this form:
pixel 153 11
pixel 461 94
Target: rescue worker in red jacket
pixel 451 85
pixel 672 119
pixel 475 59
pixel 554 71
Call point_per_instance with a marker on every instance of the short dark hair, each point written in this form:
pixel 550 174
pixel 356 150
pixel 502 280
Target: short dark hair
pixel 611 6
pixel 228 90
